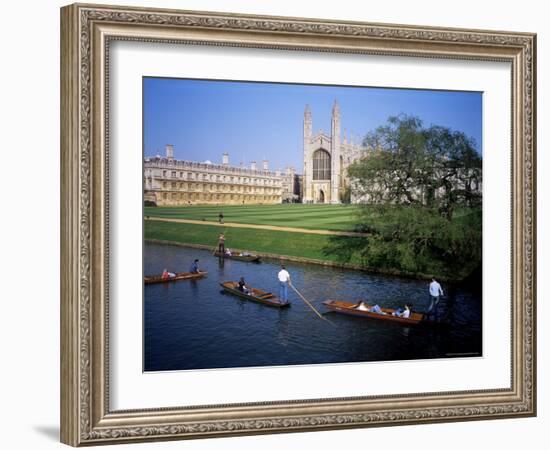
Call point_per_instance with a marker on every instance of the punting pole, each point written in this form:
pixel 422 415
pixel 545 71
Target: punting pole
pixel 309 304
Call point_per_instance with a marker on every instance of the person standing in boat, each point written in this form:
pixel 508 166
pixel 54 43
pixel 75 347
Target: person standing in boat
pixel 436 292
pixel 221 244
pixel 284 281
pixel 194 267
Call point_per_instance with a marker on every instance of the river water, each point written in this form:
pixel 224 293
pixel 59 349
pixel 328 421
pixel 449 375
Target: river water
pixel 192 325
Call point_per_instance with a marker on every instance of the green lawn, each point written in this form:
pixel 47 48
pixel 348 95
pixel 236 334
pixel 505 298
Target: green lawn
pixel 323 217
pixel 382 252
pixel 266 241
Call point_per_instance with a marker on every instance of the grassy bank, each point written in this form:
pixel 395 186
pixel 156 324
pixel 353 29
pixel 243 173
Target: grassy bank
pixel 414 242
pixel 416 239
pixel 324 217
pixel 277 242
pixel 292 246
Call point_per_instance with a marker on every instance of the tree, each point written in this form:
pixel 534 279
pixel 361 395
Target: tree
pixel 413 239
pixel 409 164
pixel 421 202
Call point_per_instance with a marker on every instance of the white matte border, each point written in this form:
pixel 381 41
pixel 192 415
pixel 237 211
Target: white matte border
pixel 130 388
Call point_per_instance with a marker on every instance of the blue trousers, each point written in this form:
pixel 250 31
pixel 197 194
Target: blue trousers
pixel 283 291
pixel 433 304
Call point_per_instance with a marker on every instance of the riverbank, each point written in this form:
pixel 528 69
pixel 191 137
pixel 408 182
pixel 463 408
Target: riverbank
pixel 257 240
pixel 277 245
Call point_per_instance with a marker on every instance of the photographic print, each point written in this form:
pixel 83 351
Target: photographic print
pixel 294 224
pixel 309 197
pixel 314 199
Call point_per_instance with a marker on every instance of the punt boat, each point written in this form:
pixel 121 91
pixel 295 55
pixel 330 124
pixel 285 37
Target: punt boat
pixel 256 295
pixel 350 309
pixel 246 258
pixel 152 279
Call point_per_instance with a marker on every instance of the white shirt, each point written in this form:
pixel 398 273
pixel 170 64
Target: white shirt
pixel 406 314
pixel 284 276
pixel 435 289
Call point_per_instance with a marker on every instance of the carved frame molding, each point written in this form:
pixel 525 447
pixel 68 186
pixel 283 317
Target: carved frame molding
pixel 86 32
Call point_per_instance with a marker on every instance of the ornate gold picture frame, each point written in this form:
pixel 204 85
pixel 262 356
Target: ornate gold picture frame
pixel 87 32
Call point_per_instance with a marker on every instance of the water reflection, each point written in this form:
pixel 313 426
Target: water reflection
pixel 192 324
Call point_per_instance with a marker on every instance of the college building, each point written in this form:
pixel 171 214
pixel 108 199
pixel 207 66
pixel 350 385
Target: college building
pixel 326 156
pixel 172 182
pixel 326 159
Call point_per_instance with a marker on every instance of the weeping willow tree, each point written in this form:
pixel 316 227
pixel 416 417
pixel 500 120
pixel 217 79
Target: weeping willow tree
pixel 420 194
pixel 408 164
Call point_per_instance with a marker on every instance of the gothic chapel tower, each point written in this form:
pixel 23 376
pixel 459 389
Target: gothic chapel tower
pixel 322 160
pixel 335 154
pixel 308 163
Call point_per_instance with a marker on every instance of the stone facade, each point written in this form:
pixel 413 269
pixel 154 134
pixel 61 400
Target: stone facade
pixel 327 156
pixel 326 159
pixel 291 185
pixel 171 182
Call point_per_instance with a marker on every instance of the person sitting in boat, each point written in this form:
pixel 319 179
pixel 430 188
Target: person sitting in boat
pixel 194 267
pixel 403 312
pixel 228 252
pixel 166 274
pixel 361 306
pixel 376 309
pixel 243 287
pixel 398 312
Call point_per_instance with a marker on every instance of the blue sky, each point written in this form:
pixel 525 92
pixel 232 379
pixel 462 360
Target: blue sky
pixel 253 121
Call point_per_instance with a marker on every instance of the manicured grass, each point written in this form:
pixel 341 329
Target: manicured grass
pixel 322 217
pixel 404 241
pixel 266 241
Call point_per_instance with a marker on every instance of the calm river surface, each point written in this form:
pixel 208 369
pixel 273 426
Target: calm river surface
pixel 192 325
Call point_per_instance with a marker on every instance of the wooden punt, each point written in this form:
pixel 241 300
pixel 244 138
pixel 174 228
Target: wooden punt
pixel 349 308
pixel 259 296
pixel 249 258
pixel 152 279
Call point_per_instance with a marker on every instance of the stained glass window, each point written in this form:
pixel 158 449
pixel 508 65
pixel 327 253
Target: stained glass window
pixel 321 165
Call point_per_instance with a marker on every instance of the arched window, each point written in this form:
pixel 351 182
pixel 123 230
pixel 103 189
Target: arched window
pixel 321 165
